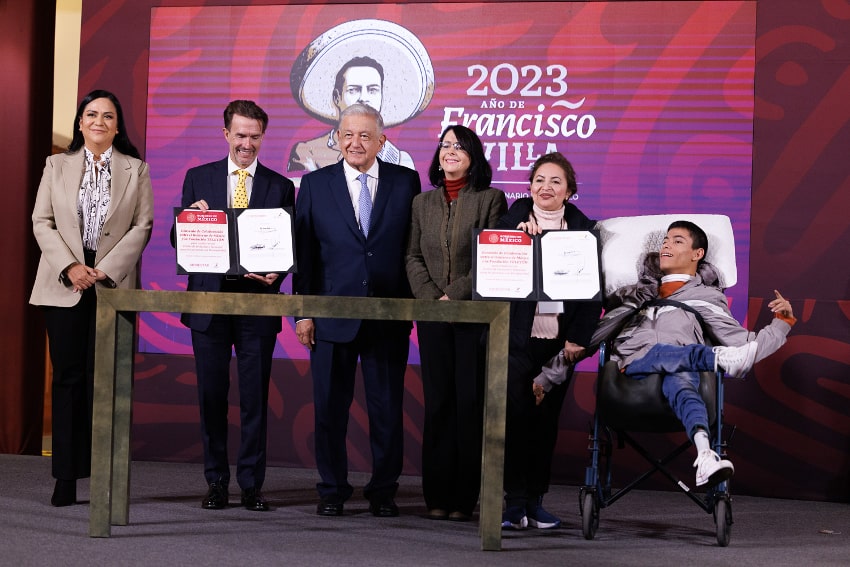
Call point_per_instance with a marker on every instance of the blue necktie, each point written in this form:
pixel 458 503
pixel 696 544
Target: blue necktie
pixel 365 203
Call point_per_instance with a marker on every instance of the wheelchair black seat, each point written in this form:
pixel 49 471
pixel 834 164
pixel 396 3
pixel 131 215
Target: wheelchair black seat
pixel 624 403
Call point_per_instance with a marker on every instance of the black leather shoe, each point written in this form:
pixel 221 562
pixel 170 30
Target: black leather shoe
pixel 458 516
pixel 383 508
pixel 64 493
pixel 216 497
pixel 252 499
pixel 329 508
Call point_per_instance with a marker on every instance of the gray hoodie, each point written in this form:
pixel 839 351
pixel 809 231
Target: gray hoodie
pixel 634 329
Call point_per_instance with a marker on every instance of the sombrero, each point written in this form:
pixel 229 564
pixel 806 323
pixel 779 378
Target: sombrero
pixel 408 74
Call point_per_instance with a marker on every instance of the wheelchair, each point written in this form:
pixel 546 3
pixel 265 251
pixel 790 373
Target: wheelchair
pixel 625 406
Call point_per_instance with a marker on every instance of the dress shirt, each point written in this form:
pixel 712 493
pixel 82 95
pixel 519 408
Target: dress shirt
pixel 233 178
pixel 351 175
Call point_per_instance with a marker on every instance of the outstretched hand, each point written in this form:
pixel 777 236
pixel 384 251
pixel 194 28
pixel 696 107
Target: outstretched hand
pixel 781 305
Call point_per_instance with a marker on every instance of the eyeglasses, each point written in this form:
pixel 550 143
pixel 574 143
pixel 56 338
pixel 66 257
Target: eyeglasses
pixel 446 145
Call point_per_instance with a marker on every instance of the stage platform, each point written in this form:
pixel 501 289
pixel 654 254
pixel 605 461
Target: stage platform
pixel 168 527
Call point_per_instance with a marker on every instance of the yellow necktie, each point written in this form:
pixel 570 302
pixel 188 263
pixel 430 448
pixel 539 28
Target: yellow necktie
pixel 240 195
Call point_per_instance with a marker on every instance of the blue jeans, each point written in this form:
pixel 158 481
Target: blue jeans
pixel 680 366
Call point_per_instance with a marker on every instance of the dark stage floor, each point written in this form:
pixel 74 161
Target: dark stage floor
pixel 168 527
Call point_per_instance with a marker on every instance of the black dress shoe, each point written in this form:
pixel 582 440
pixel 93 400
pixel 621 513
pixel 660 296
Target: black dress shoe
pixel 252 499
pixel 383 508
pixel 216 497
pixel 458 516
pixel 64 493
pixel 329 508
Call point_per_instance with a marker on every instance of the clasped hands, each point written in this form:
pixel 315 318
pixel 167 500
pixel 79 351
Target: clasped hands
pixel 83 277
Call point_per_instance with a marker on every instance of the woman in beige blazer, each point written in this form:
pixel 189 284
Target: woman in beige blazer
pixel 92 218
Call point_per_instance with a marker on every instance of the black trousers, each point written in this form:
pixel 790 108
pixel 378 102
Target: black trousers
pixel 213 350
pixel 71 336
pixel 453 361
pixel 382 348
pixel 531 431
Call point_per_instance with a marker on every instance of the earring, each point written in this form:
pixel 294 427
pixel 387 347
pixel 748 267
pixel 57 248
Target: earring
pixel 439 168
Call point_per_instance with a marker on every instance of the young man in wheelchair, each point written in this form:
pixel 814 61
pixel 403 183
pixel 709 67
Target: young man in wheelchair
pixel 660 326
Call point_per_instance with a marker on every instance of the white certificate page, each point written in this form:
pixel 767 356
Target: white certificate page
pixel 569 261
pixel 265 240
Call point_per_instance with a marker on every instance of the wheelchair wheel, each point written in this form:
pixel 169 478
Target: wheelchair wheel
pixel 723 521
pixel 589 515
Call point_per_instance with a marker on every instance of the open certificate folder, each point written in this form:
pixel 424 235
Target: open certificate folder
pixel 234 241
pixel 557 265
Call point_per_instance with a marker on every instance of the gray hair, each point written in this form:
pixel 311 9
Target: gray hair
pixel 359 109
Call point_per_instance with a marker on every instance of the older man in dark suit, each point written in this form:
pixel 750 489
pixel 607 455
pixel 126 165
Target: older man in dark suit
pixel 351 224
pixel 237 181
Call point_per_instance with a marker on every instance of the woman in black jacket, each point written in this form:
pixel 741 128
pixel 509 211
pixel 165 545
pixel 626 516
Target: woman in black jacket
pixel 538 331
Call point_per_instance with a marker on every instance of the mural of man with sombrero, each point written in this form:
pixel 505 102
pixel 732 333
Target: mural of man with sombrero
pixel 373 62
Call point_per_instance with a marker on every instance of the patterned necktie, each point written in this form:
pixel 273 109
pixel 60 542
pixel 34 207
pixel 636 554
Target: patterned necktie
pixel 365 203
pixel 240 194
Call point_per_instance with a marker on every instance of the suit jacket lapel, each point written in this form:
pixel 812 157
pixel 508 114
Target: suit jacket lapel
pixel 120 181
pixel 73 168
pixel 382 195
pixel 259 189
pixel 218 185
pixel 342 199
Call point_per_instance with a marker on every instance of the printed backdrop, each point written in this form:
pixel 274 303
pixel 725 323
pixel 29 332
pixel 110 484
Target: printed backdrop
pixel 651 101
pixel 790 418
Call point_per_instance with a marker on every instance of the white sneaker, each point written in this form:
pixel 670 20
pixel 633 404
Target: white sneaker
pixel 711 469
pixel 736 361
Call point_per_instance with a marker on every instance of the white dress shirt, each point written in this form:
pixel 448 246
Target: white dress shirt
pixel 233 179
pixel 351 175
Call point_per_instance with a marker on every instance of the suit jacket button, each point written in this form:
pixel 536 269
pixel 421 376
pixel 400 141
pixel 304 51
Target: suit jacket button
pixel 365 282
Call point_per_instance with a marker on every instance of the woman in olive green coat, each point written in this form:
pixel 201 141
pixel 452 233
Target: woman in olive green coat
pixel 439 266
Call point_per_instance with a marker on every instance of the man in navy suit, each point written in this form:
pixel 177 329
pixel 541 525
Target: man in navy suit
pixel 351 225
pixel 216 186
